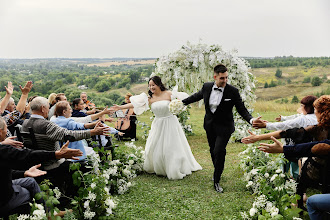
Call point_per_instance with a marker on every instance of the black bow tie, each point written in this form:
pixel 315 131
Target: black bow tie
pixel 220 90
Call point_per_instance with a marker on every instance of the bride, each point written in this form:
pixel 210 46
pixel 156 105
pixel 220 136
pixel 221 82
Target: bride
pixel 167 151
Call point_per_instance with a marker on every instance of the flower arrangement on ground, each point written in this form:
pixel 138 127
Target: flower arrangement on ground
pixel 274 189
pixel 108 175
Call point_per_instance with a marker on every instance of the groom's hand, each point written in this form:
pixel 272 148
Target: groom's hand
pixel 258 123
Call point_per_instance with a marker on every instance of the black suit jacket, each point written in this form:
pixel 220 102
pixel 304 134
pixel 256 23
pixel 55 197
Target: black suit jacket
pixel 21 159
pixel 221 121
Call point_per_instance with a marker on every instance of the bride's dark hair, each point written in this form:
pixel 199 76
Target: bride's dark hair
pixel 158 81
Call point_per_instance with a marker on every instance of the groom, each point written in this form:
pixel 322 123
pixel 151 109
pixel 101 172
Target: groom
pixel 219 99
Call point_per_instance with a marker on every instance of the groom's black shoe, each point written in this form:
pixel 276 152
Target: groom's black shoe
pixel 218 188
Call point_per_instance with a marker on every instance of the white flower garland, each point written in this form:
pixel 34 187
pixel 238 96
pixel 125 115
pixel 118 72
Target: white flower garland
pixel 193 64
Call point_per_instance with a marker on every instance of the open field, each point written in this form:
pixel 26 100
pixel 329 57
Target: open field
pixel 129 62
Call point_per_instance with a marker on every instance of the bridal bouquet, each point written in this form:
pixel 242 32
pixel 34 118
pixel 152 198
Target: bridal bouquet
pixel 176 107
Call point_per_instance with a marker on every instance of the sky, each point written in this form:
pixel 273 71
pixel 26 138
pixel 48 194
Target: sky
pixel 152 28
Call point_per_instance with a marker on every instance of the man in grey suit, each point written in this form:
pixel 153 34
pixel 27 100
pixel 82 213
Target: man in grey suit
pixel 219 99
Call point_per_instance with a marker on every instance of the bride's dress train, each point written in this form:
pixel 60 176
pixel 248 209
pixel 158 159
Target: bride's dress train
pixel 167 150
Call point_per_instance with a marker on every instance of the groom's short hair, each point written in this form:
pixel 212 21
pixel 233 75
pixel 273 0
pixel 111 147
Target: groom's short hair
pixel 220 69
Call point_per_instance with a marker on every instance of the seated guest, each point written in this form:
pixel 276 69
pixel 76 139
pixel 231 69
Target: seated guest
pixel 318 206
pixel 318 132
pixel 307 118
pixel 14 117
pixel 51 99
pixel 17 192
pixel 10 107
pixel 131 131
pixel 59 97
pixel 48 134
pixel 77 112
pixel 89 106
pixel 78 107
pixel 63 112
pixel 127 96
pixel 100 115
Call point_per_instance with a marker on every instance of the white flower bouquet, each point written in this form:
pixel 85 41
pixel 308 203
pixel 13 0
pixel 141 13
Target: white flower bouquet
pixel 176 107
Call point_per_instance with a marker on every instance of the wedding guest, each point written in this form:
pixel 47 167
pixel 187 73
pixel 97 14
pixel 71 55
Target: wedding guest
pixel 88 105
pixel 318 206
pixel 59 97
pixel 127 96
pixel 131 131
pixel 17 187
pixel 63 118
pixel 78 107
pixel 48 134
pixel 51 99
pixel 317 132
pixel 10 107
pixel 15 117
pixel 219 99
pixel 307 118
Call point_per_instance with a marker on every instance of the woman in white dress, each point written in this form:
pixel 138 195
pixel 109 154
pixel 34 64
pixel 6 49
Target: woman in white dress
pixel 167 151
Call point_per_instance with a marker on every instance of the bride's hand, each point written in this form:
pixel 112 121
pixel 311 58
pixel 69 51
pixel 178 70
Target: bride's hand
pixel 115 108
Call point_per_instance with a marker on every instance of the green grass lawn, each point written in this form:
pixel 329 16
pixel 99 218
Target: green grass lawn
pixel 156 197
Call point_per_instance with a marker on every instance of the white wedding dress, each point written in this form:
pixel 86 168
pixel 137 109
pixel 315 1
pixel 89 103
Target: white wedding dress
pixel 167 150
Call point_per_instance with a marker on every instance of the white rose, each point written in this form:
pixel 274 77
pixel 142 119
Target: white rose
pixel 266 175
pixel 278 171
pixel 86 204
pixel 253 211
pixel 273 177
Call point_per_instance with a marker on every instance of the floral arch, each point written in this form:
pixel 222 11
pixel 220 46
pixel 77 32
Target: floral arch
pixel 192 65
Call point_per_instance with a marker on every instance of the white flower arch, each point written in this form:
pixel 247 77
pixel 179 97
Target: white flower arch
pixel 193 64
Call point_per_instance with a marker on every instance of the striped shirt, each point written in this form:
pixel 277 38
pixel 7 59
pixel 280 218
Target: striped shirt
pixel 48 134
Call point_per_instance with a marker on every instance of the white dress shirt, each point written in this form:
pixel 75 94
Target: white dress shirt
pixel 215 98
pixel 301 121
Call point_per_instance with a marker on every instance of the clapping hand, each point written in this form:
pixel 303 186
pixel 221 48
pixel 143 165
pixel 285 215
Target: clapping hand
pixel 27 88
pixel 276 147
pixel 68 153
pixel 258 123
pixel 9 88
pixel 34 171
pixel 250 139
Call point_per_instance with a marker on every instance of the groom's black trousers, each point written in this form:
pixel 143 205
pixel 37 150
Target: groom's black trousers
pixel 218 143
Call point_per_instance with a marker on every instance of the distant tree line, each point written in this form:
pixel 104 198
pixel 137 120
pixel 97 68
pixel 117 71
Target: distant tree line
pixel 57 76
pixel 286 61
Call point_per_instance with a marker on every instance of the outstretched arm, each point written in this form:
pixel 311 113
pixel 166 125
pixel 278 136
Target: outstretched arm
pixel 25 92
pixel 5 100
pixel 254 138
pixel 193 98
pixel 118 107
pixel 100 114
